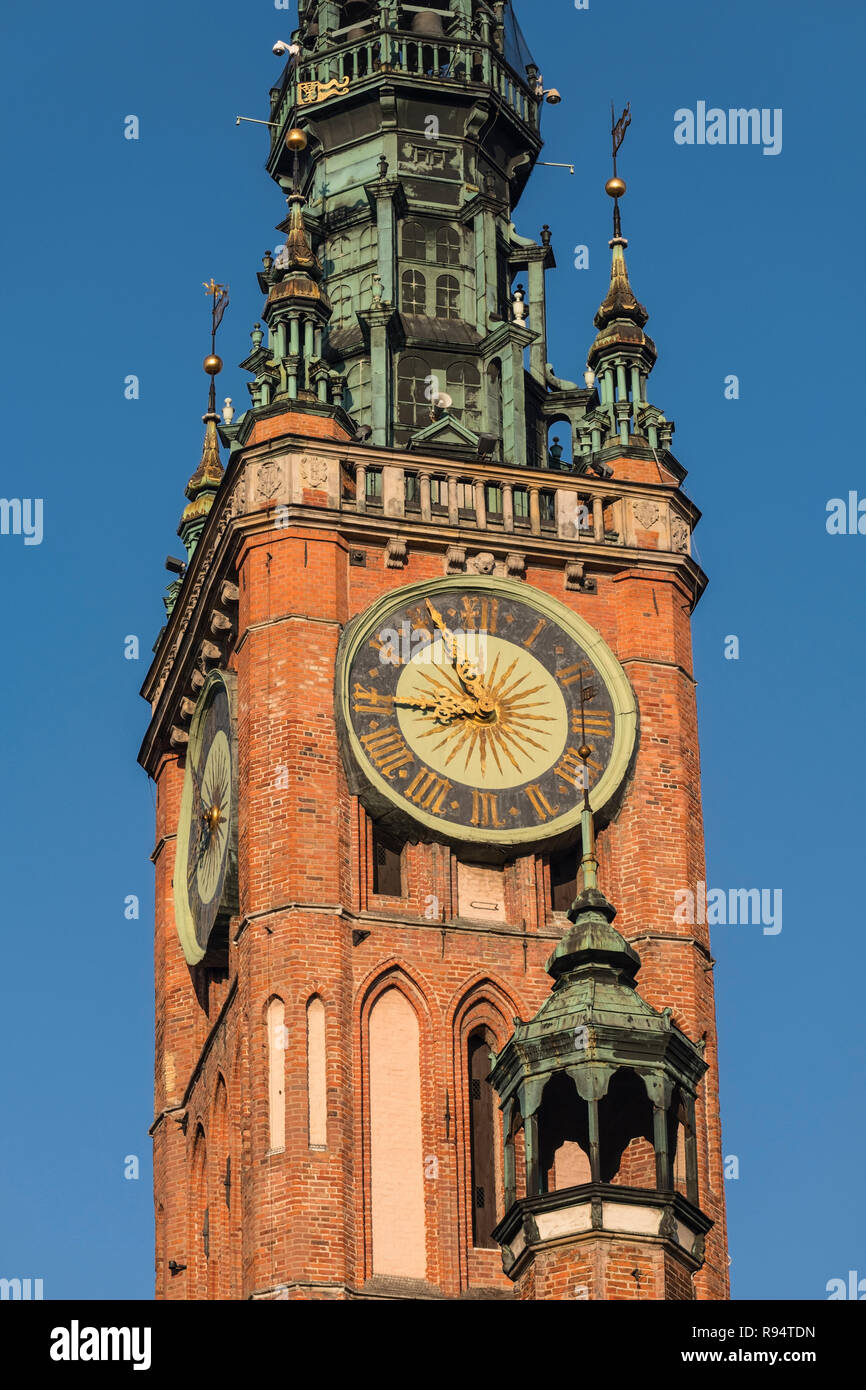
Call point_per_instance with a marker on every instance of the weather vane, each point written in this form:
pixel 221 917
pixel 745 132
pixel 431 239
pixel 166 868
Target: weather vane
pixel 212 364
pixel 615 187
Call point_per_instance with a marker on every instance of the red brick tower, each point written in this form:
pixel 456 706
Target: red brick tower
pixel 409 643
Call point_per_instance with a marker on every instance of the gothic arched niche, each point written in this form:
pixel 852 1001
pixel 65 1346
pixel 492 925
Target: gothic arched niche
pixel 317 1088
pixel 276 1044
pixel 199 1233
pixel 396 1145
pixel 219 1196
pixel 482 1138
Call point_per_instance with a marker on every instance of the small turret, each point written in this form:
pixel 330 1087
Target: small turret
pixel 603 1088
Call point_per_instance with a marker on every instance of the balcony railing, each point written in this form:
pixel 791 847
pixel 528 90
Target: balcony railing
pixel 466 62
pixel 565 507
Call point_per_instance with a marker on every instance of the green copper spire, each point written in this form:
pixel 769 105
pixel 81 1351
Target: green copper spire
pixel 623 354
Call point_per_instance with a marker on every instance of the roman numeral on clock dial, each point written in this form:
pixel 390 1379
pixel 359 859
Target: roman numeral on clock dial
pixel 540 804
pixel 599 723
pixel 371 701
pixel 572 674
pixel 485 810
pixel 386 749
pixel 429 791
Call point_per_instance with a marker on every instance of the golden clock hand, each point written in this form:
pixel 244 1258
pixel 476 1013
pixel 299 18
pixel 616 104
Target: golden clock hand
pixel 448 635
pixel 467 671
pixel 467 674
pixel 444 706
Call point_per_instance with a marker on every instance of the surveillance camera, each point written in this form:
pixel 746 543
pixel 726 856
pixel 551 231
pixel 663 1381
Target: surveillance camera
pixel 281 49
pixel 553 97
pixel 603 470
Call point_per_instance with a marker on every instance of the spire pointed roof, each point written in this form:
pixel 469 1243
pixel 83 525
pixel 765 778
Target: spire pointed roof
pixel 621 317
pixel 204 482
pixel 621 301
pixel 299 272
pixel 299 252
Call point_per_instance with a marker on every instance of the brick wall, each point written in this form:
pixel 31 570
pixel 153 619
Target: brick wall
pixel 298 1223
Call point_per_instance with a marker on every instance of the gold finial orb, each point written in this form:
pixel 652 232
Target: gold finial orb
pixel 213 365
pixel 212 817
pixel 296 139
pixel 615 188
pixel 584 752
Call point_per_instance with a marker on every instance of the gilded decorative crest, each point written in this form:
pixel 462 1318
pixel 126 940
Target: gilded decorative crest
pixel 311 92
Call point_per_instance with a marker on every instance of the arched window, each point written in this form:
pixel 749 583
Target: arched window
pixel 277 1042
pixel 317 1091
pixel 559 449
pixel 414 292
pixel 494 398
pixel 396 1148
pixel 447 297
pixel 414 241
pixel 338 256
pixel 482 1140
pixel 366 292
pixel 463 381
pixel 356 397
pixel 413 404
pixel 341 304
pixel 368 243
pixel 447 246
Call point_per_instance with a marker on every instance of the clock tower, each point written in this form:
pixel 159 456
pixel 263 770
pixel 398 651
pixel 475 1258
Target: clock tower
pixel 423 724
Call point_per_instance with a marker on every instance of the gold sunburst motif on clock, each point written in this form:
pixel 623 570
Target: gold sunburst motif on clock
pixel 480 711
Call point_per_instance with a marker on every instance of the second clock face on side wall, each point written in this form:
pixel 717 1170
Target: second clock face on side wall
pixel 465 704
pixel 206 853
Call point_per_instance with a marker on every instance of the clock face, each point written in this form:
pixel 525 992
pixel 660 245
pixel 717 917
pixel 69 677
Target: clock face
pixel 206 857
pixel 481 709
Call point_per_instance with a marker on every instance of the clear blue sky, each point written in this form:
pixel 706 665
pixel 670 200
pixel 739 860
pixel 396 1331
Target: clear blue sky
pixel 744 263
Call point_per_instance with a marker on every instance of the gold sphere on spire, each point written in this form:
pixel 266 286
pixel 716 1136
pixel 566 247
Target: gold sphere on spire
pixel 615 188
pixel 213 365
pixel 296 140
